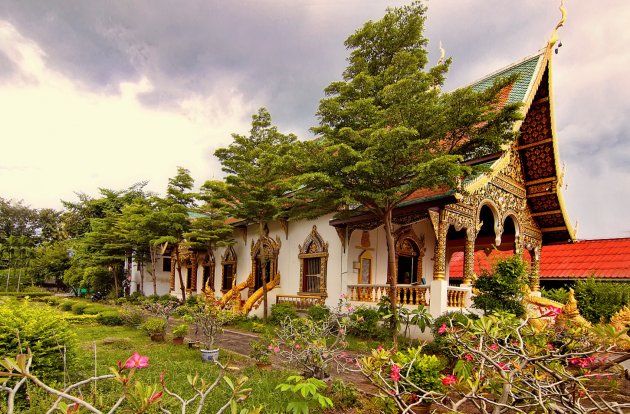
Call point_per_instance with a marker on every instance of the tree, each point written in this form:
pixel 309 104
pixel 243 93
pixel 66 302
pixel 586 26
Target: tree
pixel 209 229
pixel 387 129
pixel 174 211
pixel 501 290
pixel 256 176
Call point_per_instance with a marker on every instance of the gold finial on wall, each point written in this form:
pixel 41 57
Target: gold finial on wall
pixel 554 34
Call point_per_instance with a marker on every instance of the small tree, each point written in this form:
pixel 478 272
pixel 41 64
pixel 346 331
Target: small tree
pixel 502 288
pixel 256 168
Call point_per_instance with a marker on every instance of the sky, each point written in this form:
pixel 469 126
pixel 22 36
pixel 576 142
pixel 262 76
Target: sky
pixel 109 93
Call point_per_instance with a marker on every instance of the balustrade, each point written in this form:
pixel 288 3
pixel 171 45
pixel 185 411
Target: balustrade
pixel 300 302
pixel 407 294
pixel 457 296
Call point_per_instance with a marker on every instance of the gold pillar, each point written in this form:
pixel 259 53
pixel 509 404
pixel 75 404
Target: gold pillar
pixel 469 257
pixel 535 270
pixel 439 261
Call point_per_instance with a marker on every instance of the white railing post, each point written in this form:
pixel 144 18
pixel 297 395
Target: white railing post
pixel 439 297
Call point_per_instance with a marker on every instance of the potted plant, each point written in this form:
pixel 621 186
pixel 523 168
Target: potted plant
pixel 179 332
pixel 261 352
pixel 155 328
pixel 210 318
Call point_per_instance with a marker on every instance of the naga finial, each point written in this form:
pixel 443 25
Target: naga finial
pixel 442 54
pixel 554 34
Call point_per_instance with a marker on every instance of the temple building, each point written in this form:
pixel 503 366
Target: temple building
pixel 515 206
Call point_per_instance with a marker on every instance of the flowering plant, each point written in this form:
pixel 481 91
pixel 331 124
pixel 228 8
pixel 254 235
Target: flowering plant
pixel 210 318
pixel 316 345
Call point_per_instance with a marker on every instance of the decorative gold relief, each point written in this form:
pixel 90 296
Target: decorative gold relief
pixel 314 248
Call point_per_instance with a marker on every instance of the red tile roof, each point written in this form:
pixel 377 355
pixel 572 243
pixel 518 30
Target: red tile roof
pixel 602 259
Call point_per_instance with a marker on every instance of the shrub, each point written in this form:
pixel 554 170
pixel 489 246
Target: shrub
pixel 501 289
pixel 94 309
pixel 281 311
pixel 366 324
pixel 79 307
pixel 66 305
pixel 343 396
pixel 318 312
pixel 23 294
pixel 154 326
pixel 599 301
pixel 79 319
pixel 560 295
pixel 53 300
pixel 180 330
pixel 24 325
pixel 109 318
pixel 132 316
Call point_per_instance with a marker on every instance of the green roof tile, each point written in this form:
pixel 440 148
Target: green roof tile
pixel 526 69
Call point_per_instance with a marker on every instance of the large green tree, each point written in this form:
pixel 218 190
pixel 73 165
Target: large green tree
pixel 256 168
pixel 387 129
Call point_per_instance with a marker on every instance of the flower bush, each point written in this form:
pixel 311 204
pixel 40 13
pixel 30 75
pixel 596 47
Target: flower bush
pixel 209 319
pixel 316 346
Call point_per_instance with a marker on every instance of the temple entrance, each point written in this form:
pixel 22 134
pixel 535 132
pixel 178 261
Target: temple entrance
pixel 408 266
pixel 258 276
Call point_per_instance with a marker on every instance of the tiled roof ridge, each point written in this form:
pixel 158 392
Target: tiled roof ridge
pixel 602 240
pixel 506 68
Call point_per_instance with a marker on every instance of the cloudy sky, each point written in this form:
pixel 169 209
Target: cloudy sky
pixel 109 93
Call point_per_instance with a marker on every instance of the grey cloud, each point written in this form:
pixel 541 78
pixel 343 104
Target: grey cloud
pixel 7 68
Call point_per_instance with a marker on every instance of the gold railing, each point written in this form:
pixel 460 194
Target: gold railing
pixel 300 302
pixel 457 296
pixel 407 294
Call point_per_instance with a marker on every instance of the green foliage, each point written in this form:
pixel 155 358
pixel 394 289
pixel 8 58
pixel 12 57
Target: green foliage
pixel 560 295
pixel 180 330
pixel 260 351
pixel 154 326
pixel 308 394
pixel 23 294
pixel 78 308
pixel 67 304
pixel 132 316
pixel 501 289
pixel 366 323
pixel 25 325
pixel 343 395
pixel 421 369
pixel 95 309
pixel 109 318
pixel 282 311
pixel 318 312
pixel 598 301
pixel 79 319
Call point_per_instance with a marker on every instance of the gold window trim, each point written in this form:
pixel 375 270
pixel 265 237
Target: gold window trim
pixel 314 247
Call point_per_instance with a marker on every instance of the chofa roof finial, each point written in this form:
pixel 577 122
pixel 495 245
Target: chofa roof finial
pixel 554 34
pixel 442 54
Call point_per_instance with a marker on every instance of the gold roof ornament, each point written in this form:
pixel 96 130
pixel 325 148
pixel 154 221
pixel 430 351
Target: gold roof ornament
pixel 554 34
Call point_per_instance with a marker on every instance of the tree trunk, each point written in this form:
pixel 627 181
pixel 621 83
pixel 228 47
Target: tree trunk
pixel 153 272
pixel 129 272
pixel 392 276
pixel 116 289
pixel 263 263
pixel 179 272
pixel 141 268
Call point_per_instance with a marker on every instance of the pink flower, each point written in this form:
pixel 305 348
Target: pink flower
pixel 343 296
pixel 442 329
pixel 503 366
pixel 449 380
pixel 156 396
pixel 380 347
pixel 137 361
pixel 395 375
pixel 552 311
pixel 297 346
pixel 493 347
pixel 468 357
pixel 276 349
pixel 162 378
pixel 270 347
pixel 350 308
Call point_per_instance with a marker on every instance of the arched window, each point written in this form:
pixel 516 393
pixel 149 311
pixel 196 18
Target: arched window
pixel 409 254
pixel 264 253
pixel 313 263
pixel 365 268
pixel 206 262
pixel 228 269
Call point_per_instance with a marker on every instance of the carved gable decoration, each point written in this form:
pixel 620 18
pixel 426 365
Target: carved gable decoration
pixel 267 246
pixel 229 256
pixel 313 243
pixel 407 243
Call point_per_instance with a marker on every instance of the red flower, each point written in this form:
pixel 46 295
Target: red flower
pixel 503 366
pixel 442 329
pixel 395 375
pixel 493 347
pixel 162 378
pixel 449 380
pixel 137 361
pixel 468 357
pixel 73 408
